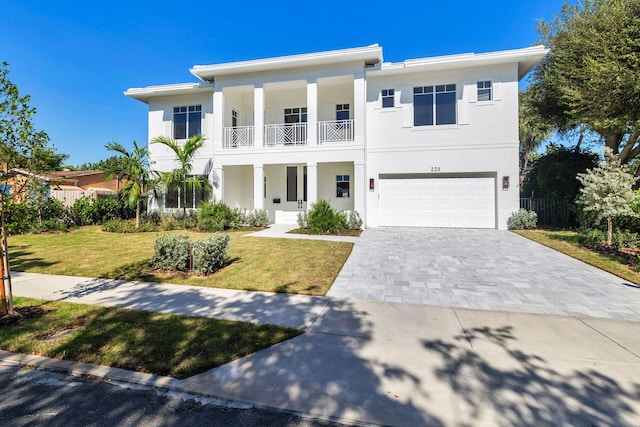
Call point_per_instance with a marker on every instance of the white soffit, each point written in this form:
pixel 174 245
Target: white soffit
pixel 145 93
pixel 368 55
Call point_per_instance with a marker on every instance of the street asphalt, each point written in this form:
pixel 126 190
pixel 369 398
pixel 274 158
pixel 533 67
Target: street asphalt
pixel 382 362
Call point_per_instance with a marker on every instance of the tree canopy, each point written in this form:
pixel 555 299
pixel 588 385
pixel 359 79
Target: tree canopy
pixel 591 76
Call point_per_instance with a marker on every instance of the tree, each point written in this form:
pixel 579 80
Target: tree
pixel 554 173
pixel 591 76
pixel 180 177
pixel 134 168
pixel 21 146
pixel 607 190
pixel 533 129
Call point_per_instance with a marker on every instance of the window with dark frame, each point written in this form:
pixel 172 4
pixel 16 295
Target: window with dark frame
pixel 234 118
pixel 295 115
pixel 292 183
pixel 342 112
pixel 485 91
pixel 434 105
pixel 387 98
pixel 342 185
pixel 187 121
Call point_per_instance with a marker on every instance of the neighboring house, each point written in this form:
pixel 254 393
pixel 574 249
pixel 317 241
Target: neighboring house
pixel 66 186
pixel 425 142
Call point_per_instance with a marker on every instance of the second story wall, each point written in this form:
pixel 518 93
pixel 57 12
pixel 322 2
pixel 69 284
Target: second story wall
pixel 469 121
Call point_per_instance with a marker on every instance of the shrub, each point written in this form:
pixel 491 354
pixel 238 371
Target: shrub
pixel 354 222
pixel 258 218
pixel 215 216
pixel 210 254
pixel 625 239
pixel 303 220
pixel 82 211
pixel 322 218
pixel 594 238
pixel 171 252
pixel 522 220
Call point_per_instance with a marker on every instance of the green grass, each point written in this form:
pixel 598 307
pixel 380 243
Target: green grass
pixel 161 344
pixel 567 242
pixel 258 264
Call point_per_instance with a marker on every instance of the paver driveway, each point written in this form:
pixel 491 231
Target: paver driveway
pixel 486 269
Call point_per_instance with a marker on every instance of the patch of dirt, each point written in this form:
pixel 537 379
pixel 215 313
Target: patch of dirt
pixel 29 312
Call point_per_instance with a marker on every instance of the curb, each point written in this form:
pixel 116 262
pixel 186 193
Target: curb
pixel 135 380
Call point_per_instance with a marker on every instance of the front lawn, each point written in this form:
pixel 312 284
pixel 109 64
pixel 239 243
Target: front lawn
pixel 567 242
pixel 161 344
pixel 258 264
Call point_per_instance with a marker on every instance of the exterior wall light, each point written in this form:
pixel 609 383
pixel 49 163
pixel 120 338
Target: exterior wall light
pixel 371 184
pixel 505 183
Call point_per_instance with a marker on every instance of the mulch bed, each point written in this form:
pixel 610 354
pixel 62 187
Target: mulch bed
pixel 28 312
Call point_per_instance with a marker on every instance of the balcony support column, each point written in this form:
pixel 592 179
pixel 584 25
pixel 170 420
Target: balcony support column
pixel 359 106
pixel 312 184
pixel 312 112
pixel 258 180
pixel 258 116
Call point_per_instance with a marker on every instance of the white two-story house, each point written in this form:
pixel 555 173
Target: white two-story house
pixel 426 142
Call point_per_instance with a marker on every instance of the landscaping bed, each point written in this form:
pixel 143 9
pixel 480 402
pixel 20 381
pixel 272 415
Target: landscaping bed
pixel 161 344
pixel 256 264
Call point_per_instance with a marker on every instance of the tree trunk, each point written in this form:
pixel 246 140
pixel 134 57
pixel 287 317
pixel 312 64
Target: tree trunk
pixel 609 231
pixel 525 161
pixel 138 214
pixel 6 294
pixel 184 202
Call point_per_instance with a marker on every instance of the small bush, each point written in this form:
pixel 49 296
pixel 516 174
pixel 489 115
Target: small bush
pixel 171 252
pixel 323 219
pixel 303 220
pixel 522 220
pixel 215 216
pixel 258 218
pixel 625 239
pixel 354 222
pixel 210 255
pixel 594 238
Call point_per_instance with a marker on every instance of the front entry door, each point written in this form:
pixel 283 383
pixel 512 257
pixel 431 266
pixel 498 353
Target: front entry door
pixel 296 188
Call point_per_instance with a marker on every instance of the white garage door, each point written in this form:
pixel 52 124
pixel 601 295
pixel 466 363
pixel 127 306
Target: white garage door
pixel 438 202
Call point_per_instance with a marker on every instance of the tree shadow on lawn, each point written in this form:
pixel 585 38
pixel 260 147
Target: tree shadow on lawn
pixel 524 389
pixel 21 259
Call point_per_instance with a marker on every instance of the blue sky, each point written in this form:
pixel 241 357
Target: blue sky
pixel 75 58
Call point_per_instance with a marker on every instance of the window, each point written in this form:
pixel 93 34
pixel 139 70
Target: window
pixel 292 183
pixel 234 118
pixel 187 121
pixel 485 91
pixel 387 98
pixel 434 102
pixel 264 187
pixel 295 115
pixel 342 186
pixel 342 112
pixel 171 198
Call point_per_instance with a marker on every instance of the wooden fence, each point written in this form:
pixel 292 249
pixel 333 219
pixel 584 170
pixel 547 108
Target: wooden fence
pixel 551 212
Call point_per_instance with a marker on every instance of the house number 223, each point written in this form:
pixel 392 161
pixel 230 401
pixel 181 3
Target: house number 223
pixel 435 168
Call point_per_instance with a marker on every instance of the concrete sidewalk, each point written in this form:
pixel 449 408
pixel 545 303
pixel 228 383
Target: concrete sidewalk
pixel 391 363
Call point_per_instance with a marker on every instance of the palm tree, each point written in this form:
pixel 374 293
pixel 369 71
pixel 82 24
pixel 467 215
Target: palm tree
pixel 134 167
pixel 181 177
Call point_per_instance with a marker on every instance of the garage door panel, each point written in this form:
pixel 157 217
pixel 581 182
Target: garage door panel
pixel 438 202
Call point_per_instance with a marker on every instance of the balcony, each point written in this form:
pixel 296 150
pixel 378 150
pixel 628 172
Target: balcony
pixel 335 131
pixel 290 134
pixel 238 137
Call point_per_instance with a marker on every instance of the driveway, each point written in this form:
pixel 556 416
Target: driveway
pixel 483 269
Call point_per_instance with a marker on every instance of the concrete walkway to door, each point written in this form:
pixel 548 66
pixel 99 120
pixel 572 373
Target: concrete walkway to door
pixel 482 269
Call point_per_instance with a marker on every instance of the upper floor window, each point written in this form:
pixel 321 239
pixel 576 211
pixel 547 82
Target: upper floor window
pixel 434 105
pixel 342 112
pixel 387 98
pixel 234 118
pixel 187 121
pixel 295 115
pixel 485 91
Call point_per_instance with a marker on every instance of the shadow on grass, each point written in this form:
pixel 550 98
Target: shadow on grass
pixel 22 259
pixel 524 389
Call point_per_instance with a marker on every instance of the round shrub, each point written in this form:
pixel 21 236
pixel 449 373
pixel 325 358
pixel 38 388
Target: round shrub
pixel 210 254
pixel 171 252
pixel 522 220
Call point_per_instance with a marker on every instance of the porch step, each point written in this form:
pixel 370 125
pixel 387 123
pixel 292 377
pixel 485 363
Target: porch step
pixel 286 217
